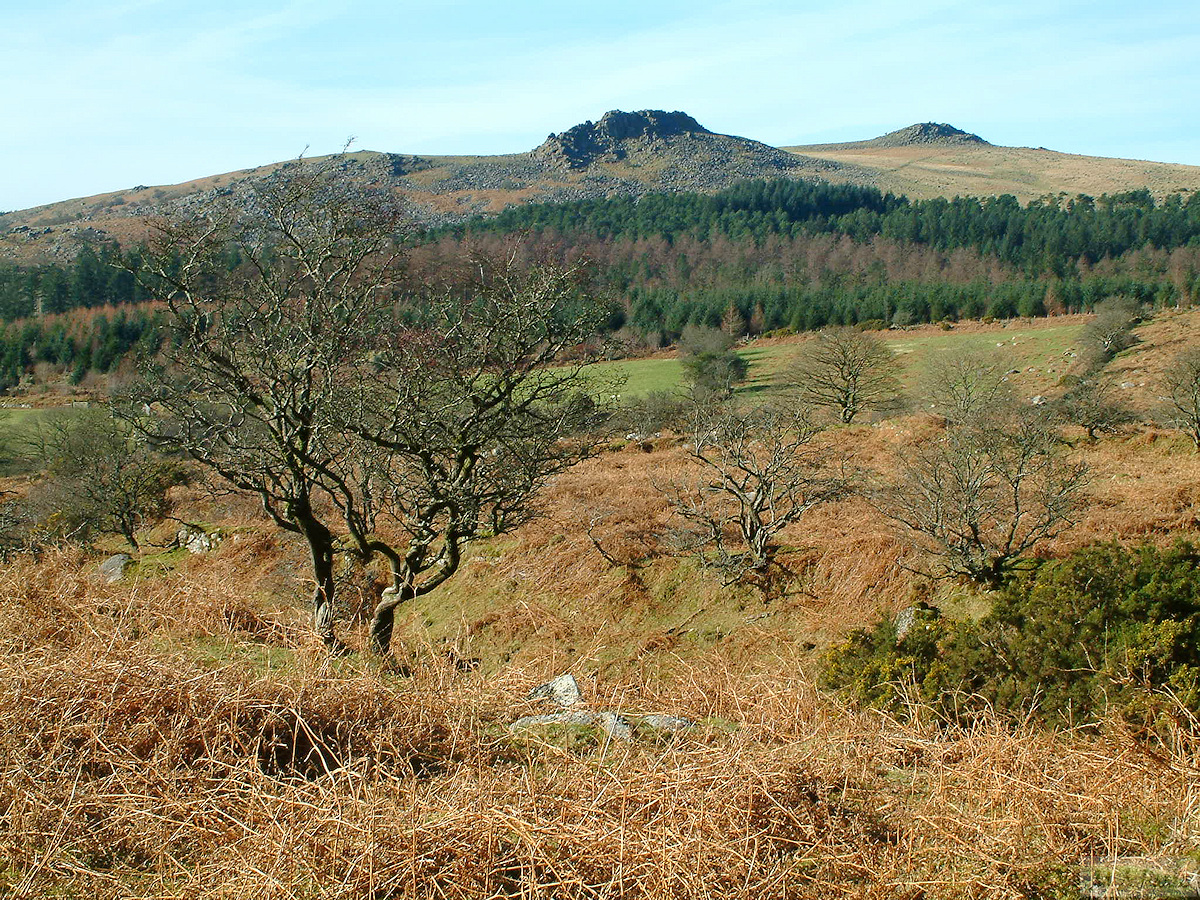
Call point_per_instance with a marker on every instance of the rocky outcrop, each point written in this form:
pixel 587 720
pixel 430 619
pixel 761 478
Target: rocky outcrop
pixel 564 693
pixel 931 134
pixel 615 136
pixel 113 568
pixel 561 691
pixel 668 151
pixel 926 133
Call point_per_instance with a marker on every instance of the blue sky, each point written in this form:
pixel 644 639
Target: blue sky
pixel 102 96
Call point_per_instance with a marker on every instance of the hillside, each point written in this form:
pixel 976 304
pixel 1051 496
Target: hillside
pixel 178 731
pixel 623 154
pixel 937 160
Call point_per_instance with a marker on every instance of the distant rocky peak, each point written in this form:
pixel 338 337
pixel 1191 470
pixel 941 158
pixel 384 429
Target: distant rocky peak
pixel 579 146
pixel 927 133
pixel 617 125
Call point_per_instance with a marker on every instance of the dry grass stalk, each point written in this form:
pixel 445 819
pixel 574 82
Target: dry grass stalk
pixel 179 735
pixel 132 769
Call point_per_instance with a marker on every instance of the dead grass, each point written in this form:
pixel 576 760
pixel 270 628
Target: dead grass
pixel 131 771
pixel 923 171
pixel 181 734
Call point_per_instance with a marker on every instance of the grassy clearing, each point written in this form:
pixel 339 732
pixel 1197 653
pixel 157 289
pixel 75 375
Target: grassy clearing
pixel 639 377
pixel 1039 351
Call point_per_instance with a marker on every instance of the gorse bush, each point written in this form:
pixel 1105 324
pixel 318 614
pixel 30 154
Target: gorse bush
pixel 1108 629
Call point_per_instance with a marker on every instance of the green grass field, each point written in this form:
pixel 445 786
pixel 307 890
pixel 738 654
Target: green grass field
pixel 1038 354
pixel 18 426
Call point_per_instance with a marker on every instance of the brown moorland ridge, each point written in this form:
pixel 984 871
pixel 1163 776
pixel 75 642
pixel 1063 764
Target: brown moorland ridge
pixel 623 154
pixel 937 160
pixel 180 733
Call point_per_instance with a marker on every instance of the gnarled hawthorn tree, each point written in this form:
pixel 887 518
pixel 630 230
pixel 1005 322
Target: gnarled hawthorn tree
pixel 985 494
pixel 468 418
pixel 368 416
pixel 848 372
pixel 757 470
pixel 1182 398
pixel 963 388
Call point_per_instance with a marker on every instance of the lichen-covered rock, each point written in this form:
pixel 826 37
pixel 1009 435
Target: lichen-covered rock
pixel 114 567
pixel 616 725
pixel 661 722
pixel 566 717
pixel 195 540
pixel 561 691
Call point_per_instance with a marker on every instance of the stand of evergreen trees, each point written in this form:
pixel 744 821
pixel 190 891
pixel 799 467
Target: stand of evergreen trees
pixel 767 254
pixel 1045 237
pixel 93 279
pixel 800 255
pixel 79 344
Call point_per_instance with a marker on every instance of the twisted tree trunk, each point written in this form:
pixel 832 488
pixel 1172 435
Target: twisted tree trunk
pixel 384 618
pixel 320 548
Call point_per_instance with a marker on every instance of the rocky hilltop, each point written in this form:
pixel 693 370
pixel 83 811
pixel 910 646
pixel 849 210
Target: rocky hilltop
pixel 929 134
pixel 926 133
pixel 656 150
pixel 623 154
pixel 616 135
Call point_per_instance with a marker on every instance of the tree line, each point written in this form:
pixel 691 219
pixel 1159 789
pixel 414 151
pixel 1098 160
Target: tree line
pixel 96 277
pixel 79 343
pixel 1045 237
pixel 760 257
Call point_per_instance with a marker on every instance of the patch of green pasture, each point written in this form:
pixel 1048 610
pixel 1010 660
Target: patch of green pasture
pixel 638 377
pixel 19 416
pixel 221 651
pixel 18 430
pixel 1040 355
pixel 20 423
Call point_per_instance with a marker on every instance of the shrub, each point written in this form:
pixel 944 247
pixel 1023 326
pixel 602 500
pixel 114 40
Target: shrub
pixel 100 478
pixel 709 361
pixel 657 411
pixel 1107 629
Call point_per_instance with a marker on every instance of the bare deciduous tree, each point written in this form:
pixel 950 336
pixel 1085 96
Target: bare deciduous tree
pixel 966 386
pixel 470 419
pixel 847 371
pixel 759 471
pixel 1094 406
pixel 1110 332
pixel 99 477
pixel 365 422
pixel 983 496
pixel 1182 398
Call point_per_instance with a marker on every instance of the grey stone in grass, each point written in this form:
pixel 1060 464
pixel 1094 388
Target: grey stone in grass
pixel 114 567
pixel 617 727
pixel 1140 878
pixel 195 540
pixel 566 717
pixel 562 691
pixel 613 724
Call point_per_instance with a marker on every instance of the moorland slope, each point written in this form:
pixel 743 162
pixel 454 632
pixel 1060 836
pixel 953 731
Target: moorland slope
pixel 622 154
